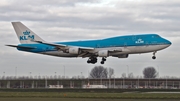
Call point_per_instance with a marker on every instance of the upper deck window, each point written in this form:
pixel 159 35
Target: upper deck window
pixel 121 38
pixel 155 36
pixel 141 37
pixel 127 38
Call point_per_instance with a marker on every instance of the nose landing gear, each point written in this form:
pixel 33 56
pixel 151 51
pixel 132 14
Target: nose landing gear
pixel 154 57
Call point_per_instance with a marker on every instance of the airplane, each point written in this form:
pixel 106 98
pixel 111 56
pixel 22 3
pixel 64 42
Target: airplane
pixel 118 46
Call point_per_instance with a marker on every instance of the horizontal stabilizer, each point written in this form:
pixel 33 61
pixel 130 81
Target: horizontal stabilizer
pixel 23 47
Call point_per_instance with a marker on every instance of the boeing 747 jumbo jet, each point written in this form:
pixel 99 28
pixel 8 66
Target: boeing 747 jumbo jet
pixel 119 46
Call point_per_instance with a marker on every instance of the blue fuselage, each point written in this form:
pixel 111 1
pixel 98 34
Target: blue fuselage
pixel 119 41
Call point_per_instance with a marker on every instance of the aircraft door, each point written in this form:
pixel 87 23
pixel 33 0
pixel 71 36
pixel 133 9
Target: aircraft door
pixel 125 44
pixel 98 45
pixel 134 38
pixel 44 49
pixel 147 43
pixel 136 48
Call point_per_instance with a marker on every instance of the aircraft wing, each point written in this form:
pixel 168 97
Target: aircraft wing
pixel 51 44
pixel 84 51
pixel 62 46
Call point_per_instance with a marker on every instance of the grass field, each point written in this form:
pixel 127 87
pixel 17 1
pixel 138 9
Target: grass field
pixel 90 95
pixel 80 99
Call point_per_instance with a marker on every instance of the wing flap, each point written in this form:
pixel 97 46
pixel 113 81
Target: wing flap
pixel 62 46
pixel 51 44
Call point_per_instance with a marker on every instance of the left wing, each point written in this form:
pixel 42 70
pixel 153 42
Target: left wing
pixel 51 44
pixel 82 51
pixel 85 51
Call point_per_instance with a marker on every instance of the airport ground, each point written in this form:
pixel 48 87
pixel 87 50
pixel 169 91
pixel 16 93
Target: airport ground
pixel 80 99
pixel 83 96
pixel 113 83
pixel 117 90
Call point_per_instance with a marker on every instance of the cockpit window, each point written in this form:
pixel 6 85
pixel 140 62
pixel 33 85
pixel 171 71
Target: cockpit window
pixel 155 36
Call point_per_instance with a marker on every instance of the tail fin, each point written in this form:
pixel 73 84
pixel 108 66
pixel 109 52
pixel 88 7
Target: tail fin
pixel 24 34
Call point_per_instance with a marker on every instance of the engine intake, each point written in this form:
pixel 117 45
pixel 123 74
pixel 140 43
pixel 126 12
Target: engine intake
pixel 74 50
pixel 103 53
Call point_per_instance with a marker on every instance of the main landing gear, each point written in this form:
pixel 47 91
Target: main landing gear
pixel 103 60
pixel 93 60
pixel 154 57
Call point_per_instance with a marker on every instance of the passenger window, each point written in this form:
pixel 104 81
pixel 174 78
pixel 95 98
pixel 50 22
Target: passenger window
pixel 157 36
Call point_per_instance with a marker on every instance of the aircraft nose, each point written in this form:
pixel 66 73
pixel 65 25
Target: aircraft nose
pixel 169 42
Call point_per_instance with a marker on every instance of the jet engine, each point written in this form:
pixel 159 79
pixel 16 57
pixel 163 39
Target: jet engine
pixel 103 53
pixel 74 50
pixel 123 56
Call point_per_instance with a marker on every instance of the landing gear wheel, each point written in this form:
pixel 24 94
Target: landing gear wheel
pixel 103 59
pixel 154 57
pixel 92 60
pixel 102 62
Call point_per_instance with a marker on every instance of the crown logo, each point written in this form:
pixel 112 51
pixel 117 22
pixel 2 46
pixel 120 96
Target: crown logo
pixel 26 32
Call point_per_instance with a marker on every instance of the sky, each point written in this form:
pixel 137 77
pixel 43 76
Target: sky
pixel 67 20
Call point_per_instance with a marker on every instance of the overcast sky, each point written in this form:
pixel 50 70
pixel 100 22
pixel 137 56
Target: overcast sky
pixel 66 20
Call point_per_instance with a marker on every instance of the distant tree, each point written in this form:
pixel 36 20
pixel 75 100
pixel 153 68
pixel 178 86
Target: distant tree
pixel 150 72
pixel 99 72
pixel 130 75
pixel 110 72
pixel 123 75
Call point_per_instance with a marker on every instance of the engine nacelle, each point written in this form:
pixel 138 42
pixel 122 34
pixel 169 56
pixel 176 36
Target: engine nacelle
pixel 103 53
pixel 74 50
pixel 123 56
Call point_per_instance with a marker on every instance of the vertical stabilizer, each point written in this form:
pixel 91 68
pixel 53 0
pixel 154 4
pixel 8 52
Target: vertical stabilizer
pixel 24 34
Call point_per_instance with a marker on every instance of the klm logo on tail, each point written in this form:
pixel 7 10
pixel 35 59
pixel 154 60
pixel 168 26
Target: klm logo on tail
pixel 26 36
